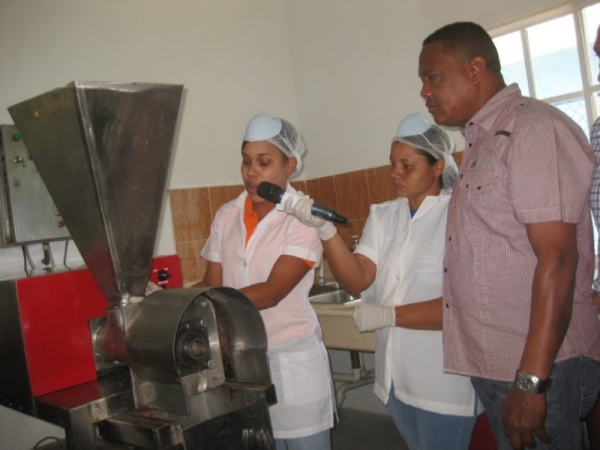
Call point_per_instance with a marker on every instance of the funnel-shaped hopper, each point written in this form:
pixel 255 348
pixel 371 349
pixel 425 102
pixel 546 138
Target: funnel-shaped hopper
pixel 103 150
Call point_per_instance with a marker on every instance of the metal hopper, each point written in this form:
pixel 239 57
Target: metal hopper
pixel 103 150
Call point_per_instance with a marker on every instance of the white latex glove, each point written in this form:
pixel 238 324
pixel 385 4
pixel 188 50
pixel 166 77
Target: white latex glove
pixel 370 317
pixel 301 210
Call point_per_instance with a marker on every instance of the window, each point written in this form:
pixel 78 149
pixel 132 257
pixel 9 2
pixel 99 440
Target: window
pixel 551 57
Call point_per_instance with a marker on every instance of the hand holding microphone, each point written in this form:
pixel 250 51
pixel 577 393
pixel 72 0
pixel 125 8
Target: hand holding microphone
pixel 303 208
pixel 275 194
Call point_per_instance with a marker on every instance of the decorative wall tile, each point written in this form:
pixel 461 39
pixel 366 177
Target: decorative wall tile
pixel 458 156
pixel 299 185
pixel 352 194
pixel 190 209
pixel 380 185
pixel 219 195
pixel 322 190
pixel 193 266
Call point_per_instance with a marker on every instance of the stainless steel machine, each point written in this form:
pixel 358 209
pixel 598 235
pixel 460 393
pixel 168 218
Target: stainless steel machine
pixel 176 369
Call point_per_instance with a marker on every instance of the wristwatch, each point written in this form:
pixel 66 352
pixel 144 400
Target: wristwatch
pixel 531 384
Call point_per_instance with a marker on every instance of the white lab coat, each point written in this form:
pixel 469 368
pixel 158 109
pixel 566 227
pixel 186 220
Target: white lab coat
pixel 298 360
pixel 409 256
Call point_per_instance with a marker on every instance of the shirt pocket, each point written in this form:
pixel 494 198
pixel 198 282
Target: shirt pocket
pixel 478 181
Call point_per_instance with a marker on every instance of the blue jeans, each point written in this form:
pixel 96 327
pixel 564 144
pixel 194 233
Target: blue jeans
pixel 574 389
pixel 425 430
pixel 319 441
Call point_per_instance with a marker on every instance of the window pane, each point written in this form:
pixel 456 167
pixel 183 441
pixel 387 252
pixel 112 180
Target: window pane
pixel 510 49
pixel 555 60
pixel 575 109
pixel 591 18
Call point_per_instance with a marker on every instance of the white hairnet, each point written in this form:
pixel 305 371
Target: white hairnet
pixel 417 132
pixel 278 132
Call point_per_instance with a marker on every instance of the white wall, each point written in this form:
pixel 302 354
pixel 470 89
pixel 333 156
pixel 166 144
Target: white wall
pixel 355 66
pixel 345 71
pixel 232 57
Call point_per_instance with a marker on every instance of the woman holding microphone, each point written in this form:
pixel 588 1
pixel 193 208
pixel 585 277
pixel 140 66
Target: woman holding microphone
pixel 270 256
pixel 397 266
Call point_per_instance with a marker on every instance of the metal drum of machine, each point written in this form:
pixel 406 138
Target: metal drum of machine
pixel 176 369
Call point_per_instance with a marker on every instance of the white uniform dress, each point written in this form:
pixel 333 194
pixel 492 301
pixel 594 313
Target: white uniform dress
pixel 298 360
pixel 409 254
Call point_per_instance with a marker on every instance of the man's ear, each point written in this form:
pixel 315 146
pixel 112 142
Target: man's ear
pixel 477 68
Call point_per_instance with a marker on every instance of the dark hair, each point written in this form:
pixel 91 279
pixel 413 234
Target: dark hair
pixel 468 40
pixel 431 161
pixel 430 158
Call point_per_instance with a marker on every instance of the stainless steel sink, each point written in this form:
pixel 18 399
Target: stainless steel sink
pixel 330 294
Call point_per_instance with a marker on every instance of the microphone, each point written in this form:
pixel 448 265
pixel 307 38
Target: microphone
pixel 275 194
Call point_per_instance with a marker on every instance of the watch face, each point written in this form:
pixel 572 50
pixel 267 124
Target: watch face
pixel 528 383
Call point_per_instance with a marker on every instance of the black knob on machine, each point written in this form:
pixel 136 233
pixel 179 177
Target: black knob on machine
pixel 163 275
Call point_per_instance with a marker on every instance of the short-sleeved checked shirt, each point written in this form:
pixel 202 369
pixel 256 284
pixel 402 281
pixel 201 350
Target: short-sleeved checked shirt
pixel 595 187
pixel 525 162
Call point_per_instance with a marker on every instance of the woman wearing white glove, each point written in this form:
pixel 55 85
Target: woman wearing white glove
pixel 398 268
pixel 270 257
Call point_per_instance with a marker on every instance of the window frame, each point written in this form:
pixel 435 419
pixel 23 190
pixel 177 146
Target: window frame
pixel 590 87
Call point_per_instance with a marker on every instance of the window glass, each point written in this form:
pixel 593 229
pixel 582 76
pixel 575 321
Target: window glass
pixel 575 109
pixel 554 57
pixel 591 18
pixel 510 49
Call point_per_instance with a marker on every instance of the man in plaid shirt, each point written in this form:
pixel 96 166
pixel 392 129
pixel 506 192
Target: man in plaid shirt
pixel 595 187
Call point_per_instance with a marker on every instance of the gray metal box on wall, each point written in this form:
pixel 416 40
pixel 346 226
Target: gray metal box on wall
pixel 27 212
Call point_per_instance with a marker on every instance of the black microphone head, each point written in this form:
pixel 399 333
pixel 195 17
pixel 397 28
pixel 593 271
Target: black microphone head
pixel 339 219
pixel 270 191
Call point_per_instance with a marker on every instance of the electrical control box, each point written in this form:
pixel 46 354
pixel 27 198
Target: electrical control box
pixel 27 212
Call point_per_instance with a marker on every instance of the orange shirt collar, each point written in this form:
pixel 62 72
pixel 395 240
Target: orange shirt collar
pixel 251 222
pixel 250 219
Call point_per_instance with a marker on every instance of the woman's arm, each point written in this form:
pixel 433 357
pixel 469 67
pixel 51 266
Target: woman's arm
pixel 287 272
pixel 285 275
pixel 427 315
pixel 354 272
